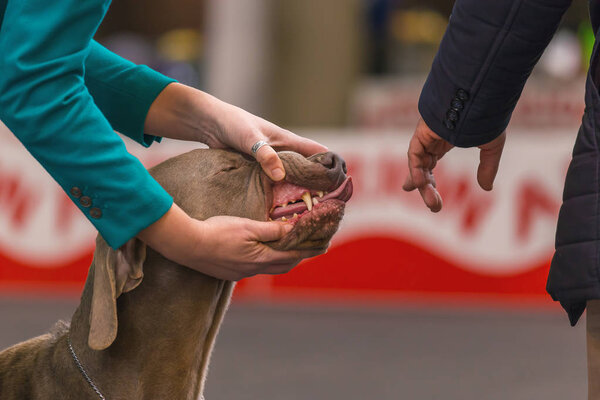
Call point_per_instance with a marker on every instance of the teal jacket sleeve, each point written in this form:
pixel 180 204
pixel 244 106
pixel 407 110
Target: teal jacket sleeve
pixel 44 101
pixel 123 91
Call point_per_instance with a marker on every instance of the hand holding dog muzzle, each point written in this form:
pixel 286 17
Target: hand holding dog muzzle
pixel 184 113
pixel 259 138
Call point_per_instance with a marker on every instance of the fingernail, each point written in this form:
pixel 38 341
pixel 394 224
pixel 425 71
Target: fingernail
pixel 277 174
pixel 288 227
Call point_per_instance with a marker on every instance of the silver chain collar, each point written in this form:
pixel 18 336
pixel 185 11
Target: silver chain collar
pixel 82 370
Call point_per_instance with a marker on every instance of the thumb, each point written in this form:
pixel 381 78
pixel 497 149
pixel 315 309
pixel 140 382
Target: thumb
pixel 268 231
pixel 489 161
pixel 270 162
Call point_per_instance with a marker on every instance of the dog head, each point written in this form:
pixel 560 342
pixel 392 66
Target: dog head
pixel 207 183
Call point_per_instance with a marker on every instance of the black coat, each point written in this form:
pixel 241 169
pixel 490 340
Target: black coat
pixel 484 59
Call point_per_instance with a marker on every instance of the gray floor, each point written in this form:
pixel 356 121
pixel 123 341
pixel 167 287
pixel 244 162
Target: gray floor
pixel 291 353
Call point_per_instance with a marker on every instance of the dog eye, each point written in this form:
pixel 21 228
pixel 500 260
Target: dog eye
pixel 228 168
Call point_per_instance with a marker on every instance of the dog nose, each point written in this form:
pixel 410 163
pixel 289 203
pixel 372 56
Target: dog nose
pixel 333 161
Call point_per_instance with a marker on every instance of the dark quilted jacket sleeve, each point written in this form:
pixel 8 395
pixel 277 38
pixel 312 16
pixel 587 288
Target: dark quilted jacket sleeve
pixel 486 55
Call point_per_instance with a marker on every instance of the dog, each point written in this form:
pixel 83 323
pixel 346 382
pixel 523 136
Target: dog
pixel 145 326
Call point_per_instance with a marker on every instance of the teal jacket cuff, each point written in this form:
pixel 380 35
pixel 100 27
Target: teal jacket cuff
pixel 121 219
pixel 123 91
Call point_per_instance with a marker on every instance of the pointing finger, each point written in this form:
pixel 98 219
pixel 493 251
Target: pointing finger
pixel 489 161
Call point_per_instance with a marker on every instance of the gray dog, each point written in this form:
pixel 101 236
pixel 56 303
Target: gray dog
pixel 155 342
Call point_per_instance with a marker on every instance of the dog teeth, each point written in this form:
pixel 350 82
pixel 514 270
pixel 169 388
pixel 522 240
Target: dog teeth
pixel 285 204
pixel 295 215
pixel 320 193
pixel 315 201
pixel 308 200
pixel 283 219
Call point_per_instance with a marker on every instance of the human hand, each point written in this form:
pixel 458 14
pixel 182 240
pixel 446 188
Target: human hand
pixel 426 149
pixel 224 247
pixel 185 113
pixel 240 130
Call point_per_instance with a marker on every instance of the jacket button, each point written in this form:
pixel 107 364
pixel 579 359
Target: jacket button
pixel 449 124
pixel 85 201
pixel 76 192
pixel 452 115
pixel 95 213
pixel 457 104
pixel 462 94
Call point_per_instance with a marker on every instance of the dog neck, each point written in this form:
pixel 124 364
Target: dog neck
pixel 167 328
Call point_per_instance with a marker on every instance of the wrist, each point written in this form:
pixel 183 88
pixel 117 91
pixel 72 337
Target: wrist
pixel 202 113
pixel 184 113
pixel 172 235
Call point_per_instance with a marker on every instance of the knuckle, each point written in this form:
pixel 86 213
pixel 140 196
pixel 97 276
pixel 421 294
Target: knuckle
pixel 266 154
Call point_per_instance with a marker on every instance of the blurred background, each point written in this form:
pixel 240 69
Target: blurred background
pixel 405 304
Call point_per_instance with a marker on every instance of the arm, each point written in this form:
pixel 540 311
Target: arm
pixel 44 102
pixel 146 106
pixel 486 55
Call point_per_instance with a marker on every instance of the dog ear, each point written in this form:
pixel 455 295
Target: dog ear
pixel 115 272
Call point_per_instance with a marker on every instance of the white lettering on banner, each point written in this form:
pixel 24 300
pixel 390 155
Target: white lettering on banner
pixel 502 232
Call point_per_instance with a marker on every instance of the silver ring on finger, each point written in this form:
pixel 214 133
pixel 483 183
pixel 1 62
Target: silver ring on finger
pixel 258 145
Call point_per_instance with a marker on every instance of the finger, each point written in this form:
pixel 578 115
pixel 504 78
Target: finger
pixel 428 161
pixel 489 161
pixel 270 162
pixel 271 256
pixel 431 197
pixel 427 188
pixel 281 268
pixel 420 164
pixel 307 147
pixel 424 151
pixel 416 153
pixel 408 185
pixel 267 231
pixel 282 139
